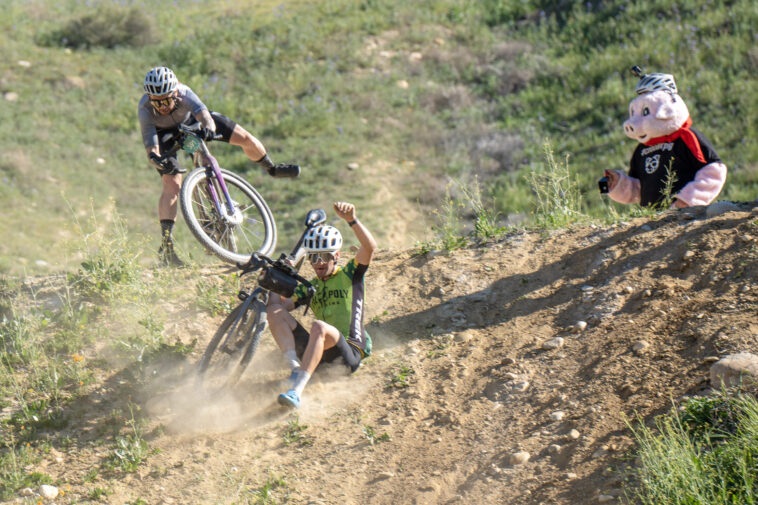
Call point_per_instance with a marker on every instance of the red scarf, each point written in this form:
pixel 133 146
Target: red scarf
pixel 686 135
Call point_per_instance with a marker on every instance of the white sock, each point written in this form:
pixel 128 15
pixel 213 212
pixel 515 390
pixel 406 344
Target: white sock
pixel 301 380
pixel 291 356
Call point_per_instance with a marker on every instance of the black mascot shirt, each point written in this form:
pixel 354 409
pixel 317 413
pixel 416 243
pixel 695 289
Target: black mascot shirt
pixel 650 163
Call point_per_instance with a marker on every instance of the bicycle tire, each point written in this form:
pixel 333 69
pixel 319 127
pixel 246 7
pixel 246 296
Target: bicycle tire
pixel 259 323
pixel 233 243
pixel 218 361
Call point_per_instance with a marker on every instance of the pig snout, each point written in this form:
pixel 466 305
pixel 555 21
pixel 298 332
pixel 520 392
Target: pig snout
pixel 632 128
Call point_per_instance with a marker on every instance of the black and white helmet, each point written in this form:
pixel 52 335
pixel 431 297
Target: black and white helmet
pixel 160 81
pixel 653 82
pixel 323 238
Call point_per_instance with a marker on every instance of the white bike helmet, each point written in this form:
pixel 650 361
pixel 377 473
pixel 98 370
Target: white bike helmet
pixel 653 82
pixel 323 238
pixel 160 81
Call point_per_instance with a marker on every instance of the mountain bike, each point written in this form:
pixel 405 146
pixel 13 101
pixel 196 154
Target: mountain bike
pixel 237 339
pixel 223 211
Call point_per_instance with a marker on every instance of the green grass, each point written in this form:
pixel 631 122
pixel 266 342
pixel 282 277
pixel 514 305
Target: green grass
pixel 317 82
pixel 705 454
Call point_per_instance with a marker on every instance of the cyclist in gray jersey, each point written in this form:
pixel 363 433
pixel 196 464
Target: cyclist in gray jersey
pixel 165 105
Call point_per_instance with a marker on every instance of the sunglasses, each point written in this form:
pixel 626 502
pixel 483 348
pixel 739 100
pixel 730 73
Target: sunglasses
pixel 162 102
pixel 320 257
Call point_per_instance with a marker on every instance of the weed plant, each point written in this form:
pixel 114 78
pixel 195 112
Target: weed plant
pixel 558 200
pixel 130 449
pixel 707 453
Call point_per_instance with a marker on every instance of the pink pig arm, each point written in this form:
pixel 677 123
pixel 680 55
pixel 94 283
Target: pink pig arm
pixel 626 190
pixel 706 187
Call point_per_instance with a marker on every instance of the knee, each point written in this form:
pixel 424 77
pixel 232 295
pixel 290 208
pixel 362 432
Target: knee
pixel 318 330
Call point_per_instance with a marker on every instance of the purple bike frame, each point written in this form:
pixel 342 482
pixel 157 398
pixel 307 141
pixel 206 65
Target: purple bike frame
pixel 210 160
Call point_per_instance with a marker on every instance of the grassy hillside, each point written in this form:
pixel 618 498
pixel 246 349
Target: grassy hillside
pixel 413 92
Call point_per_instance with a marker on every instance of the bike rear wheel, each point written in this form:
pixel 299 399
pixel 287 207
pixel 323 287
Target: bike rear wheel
pixel 233 237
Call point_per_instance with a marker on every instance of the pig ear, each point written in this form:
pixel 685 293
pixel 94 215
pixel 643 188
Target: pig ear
pixel 665 111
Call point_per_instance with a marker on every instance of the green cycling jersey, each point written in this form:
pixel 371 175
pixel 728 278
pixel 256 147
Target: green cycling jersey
pixel 339 301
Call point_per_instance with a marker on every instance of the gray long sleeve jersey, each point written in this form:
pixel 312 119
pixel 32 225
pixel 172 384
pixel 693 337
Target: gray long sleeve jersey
pixel 150 121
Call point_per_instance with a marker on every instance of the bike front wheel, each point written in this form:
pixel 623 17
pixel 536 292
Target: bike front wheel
pixel 232 347
pixel 232 234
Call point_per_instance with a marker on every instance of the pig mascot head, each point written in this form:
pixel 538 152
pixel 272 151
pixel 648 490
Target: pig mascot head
pixel 669 149
pixel 657 111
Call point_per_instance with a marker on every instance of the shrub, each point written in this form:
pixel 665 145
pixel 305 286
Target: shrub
pixel 108 26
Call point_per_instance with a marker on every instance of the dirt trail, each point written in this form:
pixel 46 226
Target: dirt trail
pixel 465 332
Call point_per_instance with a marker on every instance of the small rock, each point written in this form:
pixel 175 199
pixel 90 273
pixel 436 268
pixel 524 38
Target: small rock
pixel 384 475
pixel 511 376
pixel 640 347
pixel 462 337
pixel 24 63
pixel 587 289
pixel 574 434
pixel 580 325
pixel 27 491
pixel 719 208
pixel 518 458
pixel 353 166
pixel 734 369
pixel 413 350
pixel 554 448
pixel 599 453
pixel 571 476
pixel 629 290
pixel 647 293
pixel 553 343
pixel 521 386
pixel 100 161
pixel 605 498
pixel 558 415
pixel 48 491
pixel 402 84
pixel 689 255
pixel 10 96
pixel 415 57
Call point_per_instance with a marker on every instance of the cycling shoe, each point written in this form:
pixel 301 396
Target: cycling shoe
pixel 290 399
pixel 281 171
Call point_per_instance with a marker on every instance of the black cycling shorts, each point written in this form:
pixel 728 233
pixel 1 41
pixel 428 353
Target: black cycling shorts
pixel 224 127
pixel 350 354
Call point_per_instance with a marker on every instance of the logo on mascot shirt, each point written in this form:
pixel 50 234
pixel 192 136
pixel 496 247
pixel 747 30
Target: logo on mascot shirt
pixel 652 163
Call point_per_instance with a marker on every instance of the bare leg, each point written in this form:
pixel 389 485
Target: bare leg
pixel 252 146
pixel 169 197
pixel 323 336
pixel 281 324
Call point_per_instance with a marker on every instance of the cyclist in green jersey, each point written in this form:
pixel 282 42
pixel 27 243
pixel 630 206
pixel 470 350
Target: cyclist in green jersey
pixel 338 306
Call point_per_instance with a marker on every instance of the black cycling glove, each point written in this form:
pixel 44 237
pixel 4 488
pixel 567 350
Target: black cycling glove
pixel 207 134
pixel 168 166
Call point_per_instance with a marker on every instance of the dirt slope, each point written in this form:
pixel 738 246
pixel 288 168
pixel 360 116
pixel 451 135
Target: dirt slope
pixel 466 332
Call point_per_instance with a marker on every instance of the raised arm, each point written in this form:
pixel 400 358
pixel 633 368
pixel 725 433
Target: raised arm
pixel 366 251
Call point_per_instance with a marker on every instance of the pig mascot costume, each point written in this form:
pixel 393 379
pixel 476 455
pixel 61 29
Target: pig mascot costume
pixel 660 122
